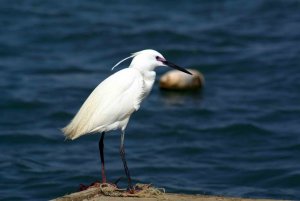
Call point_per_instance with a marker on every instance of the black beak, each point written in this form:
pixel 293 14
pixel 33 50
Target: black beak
pixel 170 64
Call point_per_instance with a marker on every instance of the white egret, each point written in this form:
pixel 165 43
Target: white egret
pixel 112 102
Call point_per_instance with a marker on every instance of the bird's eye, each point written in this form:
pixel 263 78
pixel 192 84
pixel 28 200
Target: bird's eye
pixel 157 58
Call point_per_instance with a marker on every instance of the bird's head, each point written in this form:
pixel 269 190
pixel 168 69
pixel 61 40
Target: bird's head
pixel 148 60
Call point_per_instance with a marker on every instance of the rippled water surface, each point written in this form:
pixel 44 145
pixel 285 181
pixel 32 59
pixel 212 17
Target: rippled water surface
pixel 237 137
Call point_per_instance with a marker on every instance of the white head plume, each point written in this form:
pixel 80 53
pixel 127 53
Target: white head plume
pixel 133 55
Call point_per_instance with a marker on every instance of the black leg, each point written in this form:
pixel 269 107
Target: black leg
pixel 122 153
pixel 101 147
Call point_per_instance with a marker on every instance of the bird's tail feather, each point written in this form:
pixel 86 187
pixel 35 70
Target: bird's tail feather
pixel 70 132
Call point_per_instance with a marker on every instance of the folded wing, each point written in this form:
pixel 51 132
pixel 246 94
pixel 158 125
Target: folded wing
pixel 111 102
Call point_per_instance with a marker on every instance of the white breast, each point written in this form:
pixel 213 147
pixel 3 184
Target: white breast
pixel 148 79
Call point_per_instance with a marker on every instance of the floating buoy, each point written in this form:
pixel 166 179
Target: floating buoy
pixel 175 80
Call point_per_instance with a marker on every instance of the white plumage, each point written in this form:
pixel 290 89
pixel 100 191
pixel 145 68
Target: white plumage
pixel 112 102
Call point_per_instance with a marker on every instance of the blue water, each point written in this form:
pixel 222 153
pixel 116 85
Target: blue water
pixel 237 137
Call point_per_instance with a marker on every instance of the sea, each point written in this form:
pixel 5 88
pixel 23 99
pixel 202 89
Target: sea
pixel 239 136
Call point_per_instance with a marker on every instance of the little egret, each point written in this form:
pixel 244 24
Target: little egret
pixel 112 102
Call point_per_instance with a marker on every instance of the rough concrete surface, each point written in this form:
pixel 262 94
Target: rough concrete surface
pixel 93 194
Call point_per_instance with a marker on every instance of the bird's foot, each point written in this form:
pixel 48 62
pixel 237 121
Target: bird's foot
pixel 131 191
pixel 96 184
pixel 134 189
pixel 142 189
